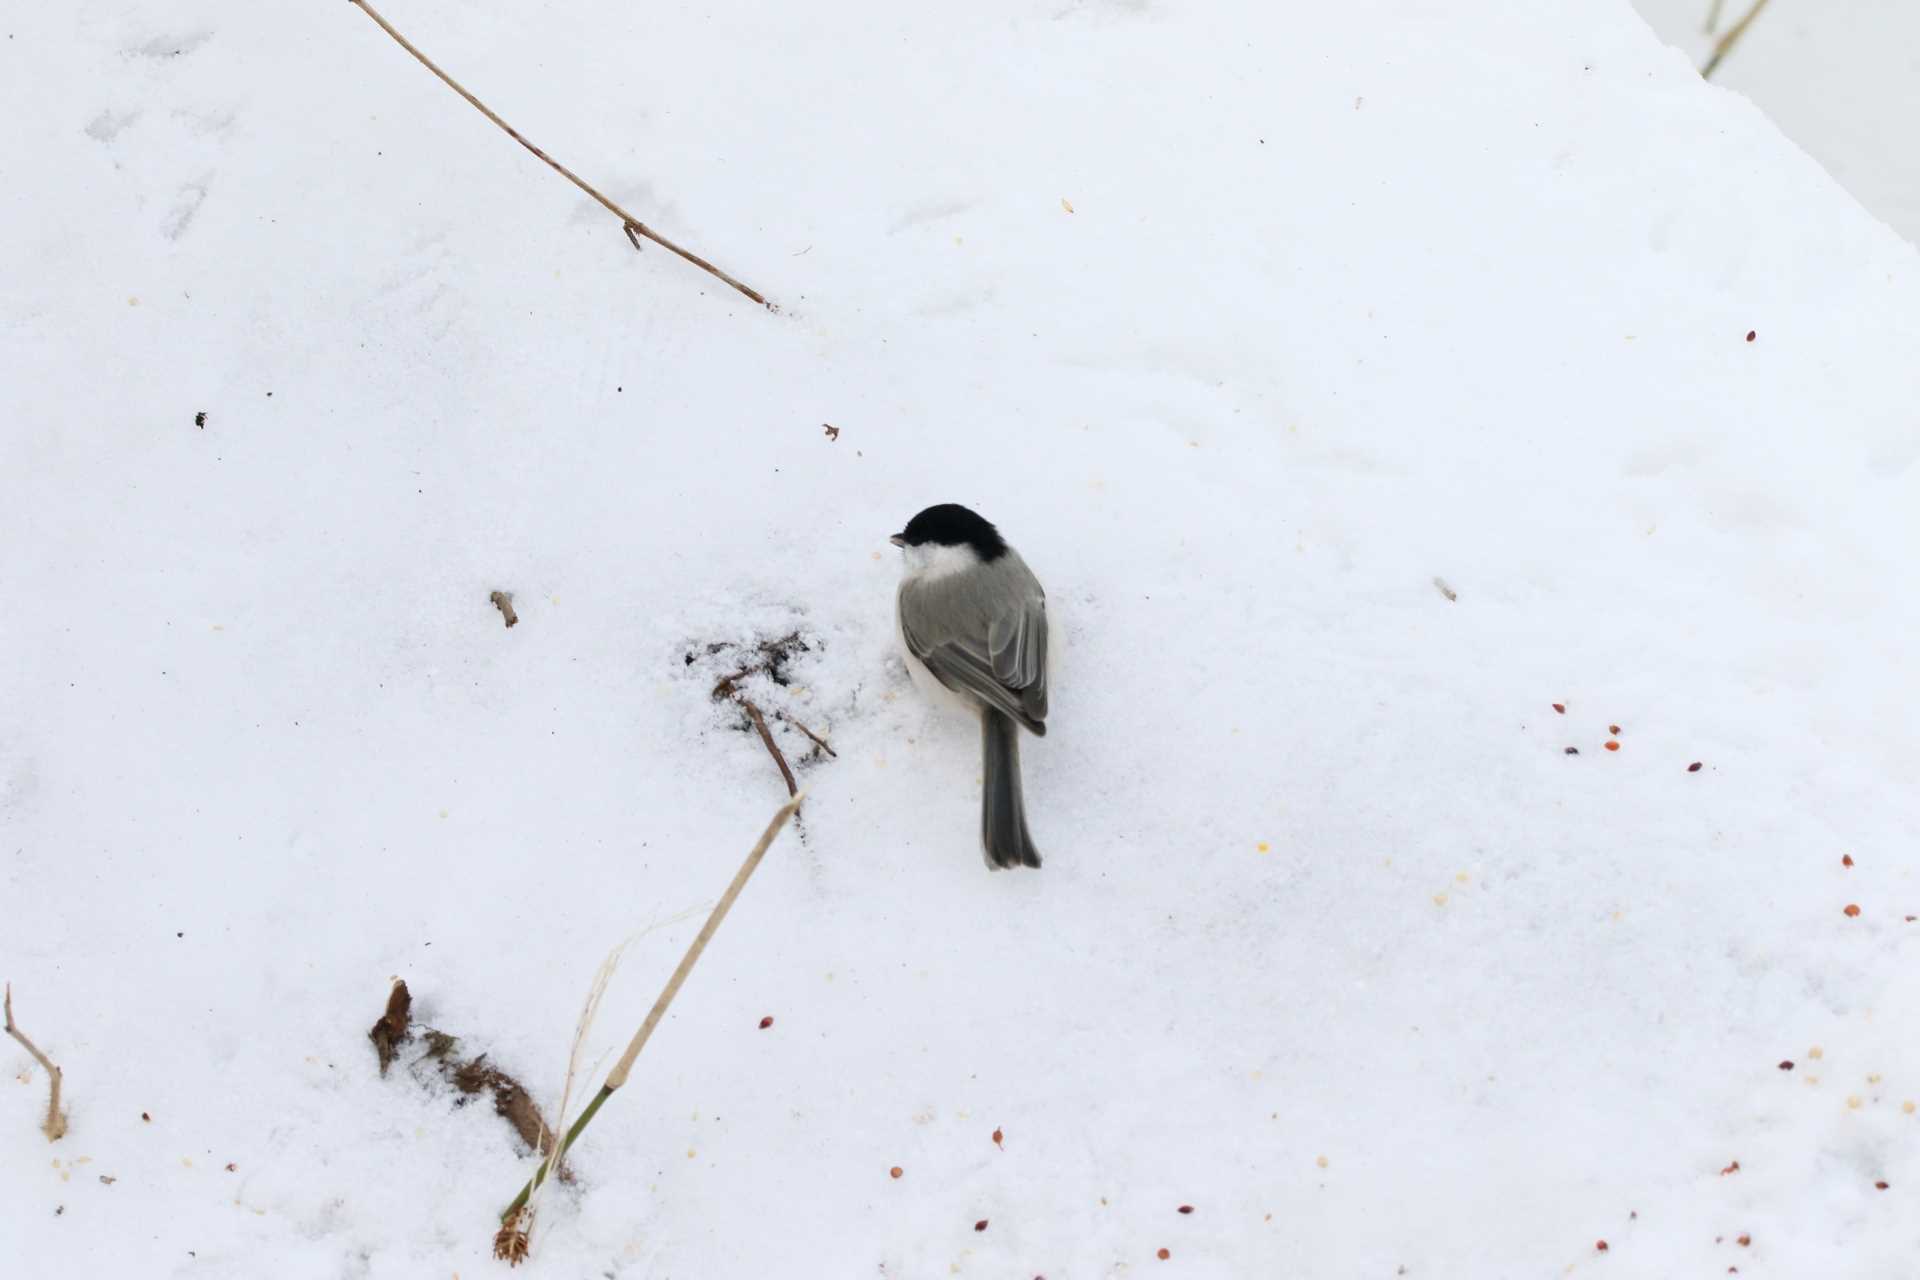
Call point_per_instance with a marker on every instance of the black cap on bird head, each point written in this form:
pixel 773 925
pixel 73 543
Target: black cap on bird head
pixel 952 525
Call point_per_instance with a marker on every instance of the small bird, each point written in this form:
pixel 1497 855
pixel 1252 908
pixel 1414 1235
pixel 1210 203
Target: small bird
pixel 973 621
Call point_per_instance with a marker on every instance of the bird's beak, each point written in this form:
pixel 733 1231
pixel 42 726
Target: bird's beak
pixel 897 540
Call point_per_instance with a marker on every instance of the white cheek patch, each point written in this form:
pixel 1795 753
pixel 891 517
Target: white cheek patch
pixel 929 561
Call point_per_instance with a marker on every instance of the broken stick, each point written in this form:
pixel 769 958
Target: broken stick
pixel 766 736
pixel 55 1125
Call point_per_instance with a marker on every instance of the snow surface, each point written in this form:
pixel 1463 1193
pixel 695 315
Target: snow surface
pixel 1245 326
pixel 1842 80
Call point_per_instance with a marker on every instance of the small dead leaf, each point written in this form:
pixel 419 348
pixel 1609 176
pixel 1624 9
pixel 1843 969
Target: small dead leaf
pixel 1732 1168
pixel 997 1136
pixel 1186 1208
pixel 1846 859
pixel 1600 1246
pixel 1066 204
pixel 1612 745
pixel 1561 707
pixel 1743 1240
pixel 766 1022
pixel 895 1172
pixel 980 1225
pixel 1694 767
pixel 1879 1186
pixel 1852 909
pixel 833 432
pixel 1164 1254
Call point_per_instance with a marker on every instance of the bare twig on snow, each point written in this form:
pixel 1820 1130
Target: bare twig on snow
pixel 630 224
pixel 55 1125
pixel 766 736
pixel 818 741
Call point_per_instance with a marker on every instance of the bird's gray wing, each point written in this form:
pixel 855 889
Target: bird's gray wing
pixel 1017 650
pixel 1006 668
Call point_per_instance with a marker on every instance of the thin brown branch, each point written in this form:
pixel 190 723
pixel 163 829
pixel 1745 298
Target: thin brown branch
pixel 766 736
pixel 55 1125
pixel 628 222
pixel 503 601
pixel 818 741
pixel 1727 41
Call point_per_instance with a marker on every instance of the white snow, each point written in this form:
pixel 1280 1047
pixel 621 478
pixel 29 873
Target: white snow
pixel 1842 80
pixel 1244 325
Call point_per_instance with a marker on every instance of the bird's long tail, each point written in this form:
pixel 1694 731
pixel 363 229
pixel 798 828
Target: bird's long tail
pixel 1003 814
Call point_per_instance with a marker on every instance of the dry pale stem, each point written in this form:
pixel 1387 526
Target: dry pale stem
pixel 55 1125
pixel 623 1068
pixel 618 1076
